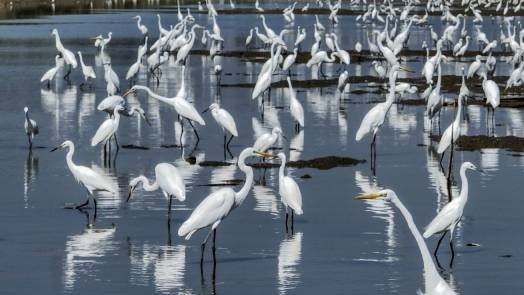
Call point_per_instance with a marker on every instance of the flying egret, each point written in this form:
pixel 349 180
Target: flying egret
pixel 87 177
pixel 167 178
pixel 30 127
pixel 108 129
pixel 450 215
pixel 184 108
pixel 88 71
pixel 216 206
pixel 68 56
pixel 51 73
pixel 224 120
pixel 295 107
pixel 434 284
pixel 266 140
pixel 289 190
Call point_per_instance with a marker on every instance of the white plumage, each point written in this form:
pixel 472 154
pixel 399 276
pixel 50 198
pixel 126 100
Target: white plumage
pixel 288 189
pixel 108 128
pixel 295 107
pixel 266 140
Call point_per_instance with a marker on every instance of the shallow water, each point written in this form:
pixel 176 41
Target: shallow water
pixel 340 245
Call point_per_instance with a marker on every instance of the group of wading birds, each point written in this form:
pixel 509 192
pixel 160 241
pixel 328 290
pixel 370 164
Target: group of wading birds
pixel 385 44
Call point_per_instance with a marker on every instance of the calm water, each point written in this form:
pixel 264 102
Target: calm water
pixel 340 246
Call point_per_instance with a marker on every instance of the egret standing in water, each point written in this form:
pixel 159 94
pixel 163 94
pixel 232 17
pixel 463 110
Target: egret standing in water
pixel 492 93
pixel 289 191
pixel 295 107
pixel 51 73
pixel 217 206
pixel 434 284
pixel 88 71
pixel 225 121
pixel 168 179
pixel 450 215
pixel 87 177
pixel 184 108
pixel 67 55
pixel 30 126
pixel 451 134
pixel 267 140
pixel 107 130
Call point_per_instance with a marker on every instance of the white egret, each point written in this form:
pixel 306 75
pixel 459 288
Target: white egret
pixel 68 56
pixel 434 284
pixel 224 120
pixel 184 108
pixel 295 107
pixel 301 36
pixel 319 58
pixel 167 178
pixel 257 6
pixel 435 99
pixel 51 73
pixel 289 191
pixel 88 71
pixel 219 204
pixel 249 38
pixel 109 103
pixel 375 117
pixel 475 66
pixel 451 134
pixel 108 129
pixel 87 177
pixel 343 80
pixel 450 215
pixel 134 68
pixel 267 140
pixel 30 127
pixel 265 77
pixel 290 60
pixel 492 93
pixel 142 28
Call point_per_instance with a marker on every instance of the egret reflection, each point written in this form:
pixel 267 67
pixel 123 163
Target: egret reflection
pixel 289 257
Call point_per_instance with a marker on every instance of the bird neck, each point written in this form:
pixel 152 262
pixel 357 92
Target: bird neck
pixel 465 186
pixel 146 185
pixel 282 169
pixel 58 43
pixel 459 111
pixel 154 95
pixel 430 270
pixel 241 195
pixel 69 157
pixel 81 60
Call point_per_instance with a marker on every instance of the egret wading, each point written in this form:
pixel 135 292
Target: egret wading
pixel 434 283
pixel 217 206
pixel 450 215
pixel 225 121
pixel 167 178
pixel 30 127
pixel 87 177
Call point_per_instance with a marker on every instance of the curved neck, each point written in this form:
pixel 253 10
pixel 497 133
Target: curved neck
pixel 429 265
pixel 154 95
pixel 81 59
pixel 465 187
pixel 241 195
pixel 69 157
pixel 146 185
pixel 58 43
pixel 459 110
pixel 281 170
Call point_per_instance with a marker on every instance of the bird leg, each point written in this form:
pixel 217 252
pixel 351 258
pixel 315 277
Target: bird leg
pixel 227 144
pixel 83 204
pixel 169 206
pixel 181 131
pixel 214 247
pixel 438 244
pixel 452 252
pixel 66 77
pixel 94 200
pixel 194 130
pixel 203 246
pixel 441 159
pixel 292 221
pixel 116 142
pixel 287 216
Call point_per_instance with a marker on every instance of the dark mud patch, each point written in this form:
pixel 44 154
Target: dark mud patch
pixel 477 142
pixel 229 182
pixel 322 163
pixel 306 176
pixel 169 146
pixel 134 147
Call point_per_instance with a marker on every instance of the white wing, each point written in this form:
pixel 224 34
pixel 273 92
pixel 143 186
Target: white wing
pixel 104 132
pixel 92 180
pixel 297 111
pixel 448 216
pixel 212 209
pixel 227 121
pixel 445 140
pixel 170 180
pixel 110 102
pixel 187 110
pixel 49 75
pixel 372 119
pixel 291 193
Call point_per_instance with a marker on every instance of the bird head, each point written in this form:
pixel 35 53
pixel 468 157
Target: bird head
pixel 131 90
pixel 54 32
pixel 132 186
pixel 471 166
pixel 64 144
pixel 386 194
pixel 26 109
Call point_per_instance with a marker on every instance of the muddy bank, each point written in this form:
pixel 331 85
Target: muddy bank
pixel 322 163
pixel 478 142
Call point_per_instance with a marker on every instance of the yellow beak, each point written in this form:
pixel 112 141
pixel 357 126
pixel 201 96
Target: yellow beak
pixel 265 154
pixel 370 196
pixel 128 92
